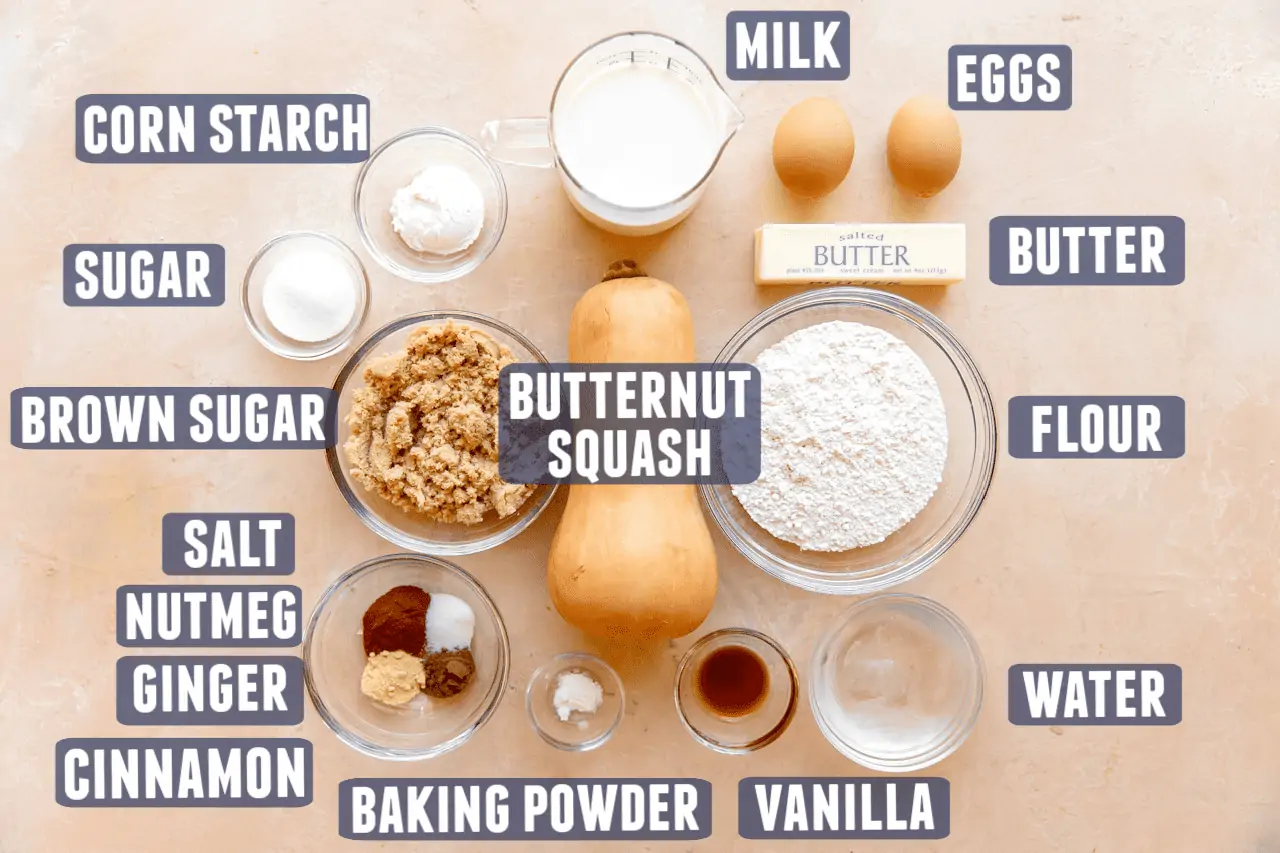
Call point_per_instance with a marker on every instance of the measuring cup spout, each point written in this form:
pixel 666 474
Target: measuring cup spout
pixel 731 118
pixel 519 141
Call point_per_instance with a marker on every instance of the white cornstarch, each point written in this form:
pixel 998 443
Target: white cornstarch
pixel 440 211
pixel 853 437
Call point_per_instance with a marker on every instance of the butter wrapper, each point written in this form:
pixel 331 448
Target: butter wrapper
pixel 856 253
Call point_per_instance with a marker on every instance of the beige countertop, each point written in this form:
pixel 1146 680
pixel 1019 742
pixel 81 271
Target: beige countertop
pixel 1176 111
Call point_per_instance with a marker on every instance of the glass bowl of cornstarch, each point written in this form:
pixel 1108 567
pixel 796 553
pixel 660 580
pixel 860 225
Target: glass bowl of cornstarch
pixel 878 442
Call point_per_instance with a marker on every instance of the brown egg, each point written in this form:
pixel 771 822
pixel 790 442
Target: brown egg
pixel 813 147
pixel 924 146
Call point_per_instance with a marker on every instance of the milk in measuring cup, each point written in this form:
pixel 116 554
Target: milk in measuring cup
pixel 636 135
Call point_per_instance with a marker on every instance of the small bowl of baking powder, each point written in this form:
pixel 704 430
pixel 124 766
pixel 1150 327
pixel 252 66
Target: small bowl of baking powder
pixel 575 702
pixel 878 442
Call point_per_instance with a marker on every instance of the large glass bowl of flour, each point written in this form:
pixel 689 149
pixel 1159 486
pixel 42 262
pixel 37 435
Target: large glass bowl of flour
pixel 964 475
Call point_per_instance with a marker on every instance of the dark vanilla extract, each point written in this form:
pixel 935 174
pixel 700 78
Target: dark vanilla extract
pixel 732 681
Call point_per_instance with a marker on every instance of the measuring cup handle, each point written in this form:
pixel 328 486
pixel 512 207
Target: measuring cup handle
pixel 520 141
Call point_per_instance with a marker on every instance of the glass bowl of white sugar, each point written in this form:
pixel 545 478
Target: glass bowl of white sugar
pixel 430 205
pixel 896 684
pixel 878 442
pixel 305 294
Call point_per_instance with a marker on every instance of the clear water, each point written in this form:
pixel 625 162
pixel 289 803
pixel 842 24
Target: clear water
pixel 893 686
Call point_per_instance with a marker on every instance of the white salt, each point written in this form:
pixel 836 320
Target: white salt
pixel 450 623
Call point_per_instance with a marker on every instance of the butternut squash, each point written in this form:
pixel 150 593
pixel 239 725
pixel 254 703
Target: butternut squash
pixel 632 562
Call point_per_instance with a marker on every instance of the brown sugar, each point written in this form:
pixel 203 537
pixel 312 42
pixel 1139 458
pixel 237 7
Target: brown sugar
pixel 424 429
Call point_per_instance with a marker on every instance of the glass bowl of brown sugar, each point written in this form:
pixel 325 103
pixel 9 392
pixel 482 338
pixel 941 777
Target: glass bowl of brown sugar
pixel 334 658
pixel 413 502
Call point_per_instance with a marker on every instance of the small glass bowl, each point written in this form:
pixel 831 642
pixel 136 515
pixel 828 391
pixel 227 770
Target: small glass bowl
pixel 971 452
pixel 410 530
pixel 883 653
pixel 751 731
pixel 333 659
pixel 397 162
pixel 255 277
pixel 581 732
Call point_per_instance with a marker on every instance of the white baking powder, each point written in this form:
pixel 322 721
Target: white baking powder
pixel 576 691
pixel 853 437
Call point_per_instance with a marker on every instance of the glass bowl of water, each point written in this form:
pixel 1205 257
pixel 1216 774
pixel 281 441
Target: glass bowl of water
pixel 897 683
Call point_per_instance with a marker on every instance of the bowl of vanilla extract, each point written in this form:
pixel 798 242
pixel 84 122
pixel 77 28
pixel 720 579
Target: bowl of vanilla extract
pixel 736 691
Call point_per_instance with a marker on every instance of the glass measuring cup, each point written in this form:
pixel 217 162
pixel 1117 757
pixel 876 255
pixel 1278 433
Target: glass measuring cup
pixel 533 141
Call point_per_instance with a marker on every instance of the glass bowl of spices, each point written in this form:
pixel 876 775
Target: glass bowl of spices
pixel 896 683
pixel 575 702
pixel 304 295
pixel 405 657
pixel 430 205
pixel 878 442
pixel 416 451
pixel 736 691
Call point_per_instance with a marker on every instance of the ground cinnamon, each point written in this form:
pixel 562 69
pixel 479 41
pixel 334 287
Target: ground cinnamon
pixel 397 622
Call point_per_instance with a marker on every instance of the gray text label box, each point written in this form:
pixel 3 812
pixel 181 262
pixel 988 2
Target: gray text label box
pixel 733 440
pixel 525 809
pixel 1028 77
pixel 251 534
pixel 171 418
pixel 1056 689
pixel 887 808
pixel 276 609
pixel 185 265
pixel 338 118
pixel 240 678
pixel 1136 240
pixel 1071 427
pixel 753 49
pixel 229 772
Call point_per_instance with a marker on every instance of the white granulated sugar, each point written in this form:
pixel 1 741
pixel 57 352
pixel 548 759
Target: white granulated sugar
pixel 854 437
pixel 310 296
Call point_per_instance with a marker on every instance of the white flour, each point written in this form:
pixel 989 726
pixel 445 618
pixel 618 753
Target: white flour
pixel 854 437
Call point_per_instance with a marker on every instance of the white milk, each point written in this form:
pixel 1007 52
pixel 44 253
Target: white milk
pixel 636 135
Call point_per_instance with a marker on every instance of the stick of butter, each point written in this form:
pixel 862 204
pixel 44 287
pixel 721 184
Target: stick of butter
pixel 855 253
